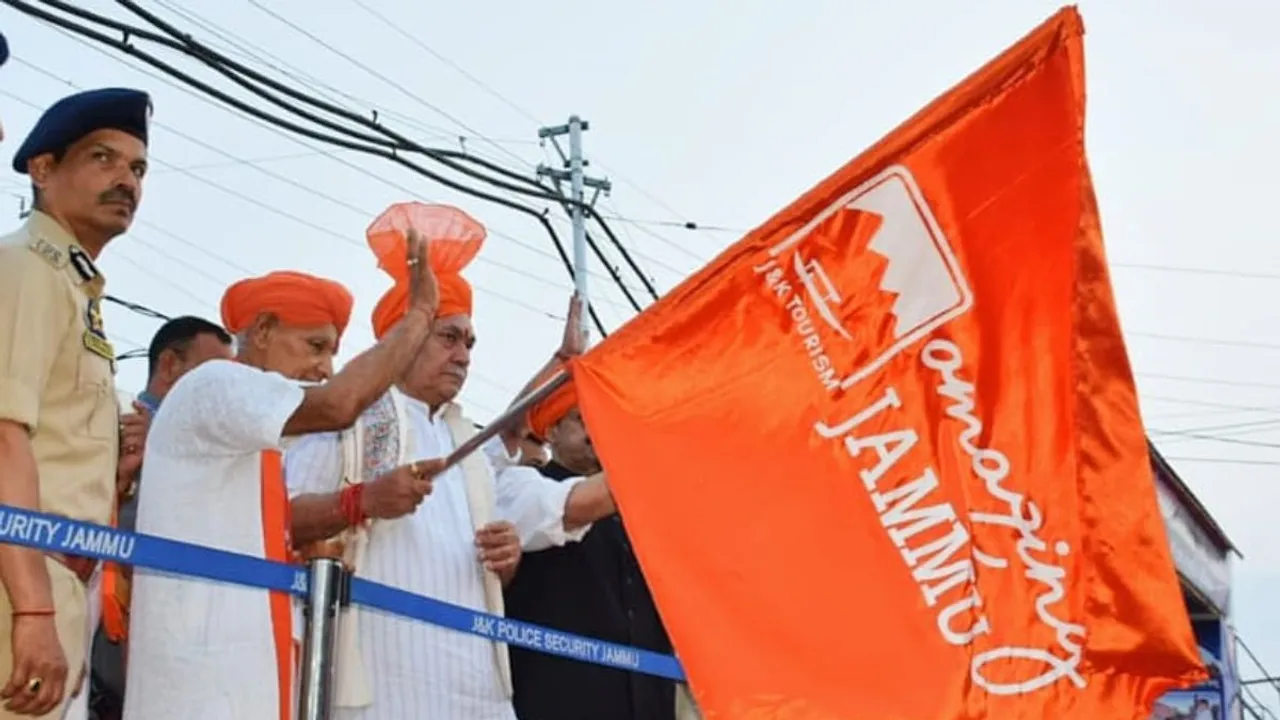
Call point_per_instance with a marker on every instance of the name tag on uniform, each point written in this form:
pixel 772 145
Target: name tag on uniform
pixel 95 332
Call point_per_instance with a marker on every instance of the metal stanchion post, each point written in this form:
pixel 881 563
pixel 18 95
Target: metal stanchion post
pixel 326 594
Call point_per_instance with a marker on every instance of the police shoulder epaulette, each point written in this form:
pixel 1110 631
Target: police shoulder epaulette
pixel 82 264
pixel 49 252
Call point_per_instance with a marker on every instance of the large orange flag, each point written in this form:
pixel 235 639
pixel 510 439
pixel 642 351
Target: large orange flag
pixel 882 459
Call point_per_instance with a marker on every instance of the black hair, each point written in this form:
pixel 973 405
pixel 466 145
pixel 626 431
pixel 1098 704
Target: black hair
pixel 177 335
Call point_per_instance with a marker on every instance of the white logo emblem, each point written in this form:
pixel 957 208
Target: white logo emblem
pixel 922 270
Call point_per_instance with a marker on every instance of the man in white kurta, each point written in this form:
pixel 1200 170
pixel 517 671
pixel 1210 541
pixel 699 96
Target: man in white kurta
pixel 402 668
pixel 207 648
pixel 417 670
pixel 213 476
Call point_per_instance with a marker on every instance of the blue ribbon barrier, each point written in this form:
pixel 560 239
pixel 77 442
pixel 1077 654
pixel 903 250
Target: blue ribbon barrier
pixel 52 533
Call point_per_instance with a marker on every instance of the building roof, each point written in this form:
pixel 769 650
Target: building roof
pixel 1170 477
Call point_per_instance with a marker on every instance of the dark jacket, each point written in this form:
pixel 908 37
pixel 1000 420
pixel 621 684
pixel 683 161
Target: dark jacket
pixel 592 588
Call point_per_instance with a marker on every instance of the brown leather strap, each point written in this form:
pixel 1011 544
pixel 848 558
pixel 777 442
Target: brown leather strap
pixel 83 567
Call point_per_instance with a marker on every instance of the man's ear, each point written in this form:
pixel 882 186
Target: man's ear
pixel 39 168
pixel 263 326
pixel 169 362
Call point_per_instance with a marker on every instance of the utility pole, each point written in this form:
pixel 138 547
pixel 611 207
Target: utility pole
pixel 574 173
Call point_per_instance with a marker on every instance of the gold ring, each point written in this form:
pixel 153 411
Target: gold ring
pixel 34 684
pixel 415 469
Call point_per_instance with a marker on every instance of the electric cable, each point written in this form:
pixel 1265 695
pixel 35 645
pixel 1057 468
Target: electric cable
pixel 1210 381
pixel 356 62
pixel 184 43
pixel 124 46
pixel 1205 341
pixel 137 308
pixel 587 208
pixel 448 158
pixel 1224 461
pixel 1239 427
pixel 1220 439
pixel 301 186
pixel 414 39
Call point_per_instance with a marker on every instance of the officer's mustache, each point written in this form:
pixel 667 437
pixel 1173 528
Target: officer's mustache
pixel 118 194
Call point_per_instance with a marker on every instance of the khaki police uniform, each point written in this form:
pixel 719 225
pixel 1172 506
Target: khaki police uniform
pixel 57 379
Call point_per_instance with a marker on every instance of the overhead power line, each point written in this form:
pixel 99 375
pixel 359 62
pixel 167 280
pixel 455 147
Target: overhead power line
pixel 399 30
pixel 1211 404
pixel 259 202
pixel 137 307
pixel 1210 381
pixel 1223 461
pixel 1249 426
pixel 385 143
pixel 356 62
pixel 246 77
pixel 1199 271
pixel 268 207
pixel 1205 341
pixel 677 224
pixel 1219 438
pixel 414 39
pixel 339 96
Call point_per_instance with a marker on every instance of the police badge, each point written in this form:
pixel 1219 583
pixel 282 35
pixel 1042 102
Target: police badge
pixel 95 332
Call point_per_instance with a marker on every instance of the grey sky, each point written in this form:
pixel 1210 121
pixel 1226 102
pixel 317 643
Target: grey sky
pixel 722 112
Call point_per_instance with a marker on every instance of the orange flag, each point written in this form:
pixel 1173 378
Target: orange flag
pixel 882 459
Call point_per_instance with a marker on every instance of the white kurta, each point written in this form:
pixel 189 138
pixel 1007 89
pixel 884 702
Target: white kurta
pixel 420 670
pixel 202 650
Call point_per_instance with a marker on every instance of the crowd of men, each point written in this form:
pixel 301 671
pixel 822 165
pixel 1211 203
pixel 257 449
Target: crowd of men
pixel 248 439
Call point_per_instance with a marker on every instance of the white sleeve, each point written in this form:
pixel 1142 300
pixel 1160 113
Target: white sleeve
pixel 535 505
pixel 313 464
pixel 499 458
pixel 232 406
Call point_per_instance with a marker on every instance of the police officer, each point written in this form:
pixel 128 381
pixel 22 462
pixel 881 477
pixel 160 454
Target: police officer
pixel 59 422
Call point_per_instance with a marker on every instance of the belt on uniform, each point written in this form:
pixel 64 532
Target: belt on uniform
pixel 83 567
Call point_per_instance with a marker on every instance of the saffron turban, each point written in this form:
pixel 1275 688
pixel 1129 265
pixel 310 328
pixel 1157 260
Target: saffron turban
pixel 455 299
pixel 296 298
pixel 453 238
pixel 552 409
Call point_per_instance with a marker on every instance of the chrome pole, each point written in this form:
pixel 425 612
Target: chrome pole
pixel 325 596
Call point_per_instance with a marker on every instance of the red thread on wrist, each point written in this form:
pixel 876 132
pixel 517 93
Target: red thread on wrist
pixel 344 504
pixel 34 613
pixel 357 504
pixel 349 504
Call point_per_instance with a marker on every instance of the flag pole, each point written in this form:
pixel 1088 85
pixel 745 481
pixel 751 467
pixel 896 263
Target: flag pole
pixel 507 419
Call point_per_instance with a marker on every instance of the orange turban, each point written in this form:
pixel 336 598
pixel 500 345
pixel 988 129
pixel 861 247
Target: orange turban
pixel 553 408
pixel 455 299
pixel 454 238
pixel 296 298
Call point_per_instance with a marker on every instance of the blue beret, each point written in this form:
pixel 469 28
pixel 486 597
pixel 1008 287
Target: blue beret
pixel 4 49
pixel 75 116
